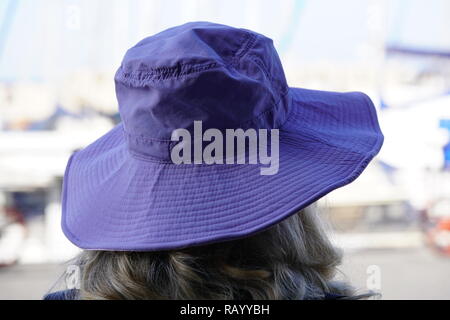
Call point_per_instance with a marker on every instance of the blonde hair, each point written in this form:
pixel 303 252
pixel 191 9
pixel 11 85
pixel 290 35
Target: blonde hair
pixel 293 259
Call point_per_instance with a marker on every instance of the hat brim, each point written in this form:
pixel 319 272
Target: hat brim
pixel 116 201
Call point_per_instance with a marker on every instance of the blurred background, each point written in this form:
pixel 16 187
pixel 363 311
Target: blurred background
pixel 57 62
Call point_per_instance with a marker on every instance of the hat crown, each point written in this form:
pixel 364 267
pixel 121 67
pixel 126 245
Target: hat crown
pixel 225 77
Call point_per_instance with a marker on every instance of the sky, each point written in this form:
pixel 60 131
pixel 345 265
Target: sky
pixel 48 39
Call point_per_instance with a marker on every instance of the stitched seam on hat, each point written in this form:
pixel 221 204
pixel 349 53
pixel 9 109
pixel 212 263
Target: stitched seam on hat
pixel 289 110
pixel 176 71
pixel 262 66
pixel 145 139
pixel 147 158
pixel 169 70
pixel 139 77
pixel 235 56
pixel 274 105
pixel 248 44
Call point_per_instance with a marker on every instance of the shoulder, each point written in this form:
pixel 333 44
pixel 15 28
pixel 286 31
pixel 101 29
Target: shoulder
pixel 62 295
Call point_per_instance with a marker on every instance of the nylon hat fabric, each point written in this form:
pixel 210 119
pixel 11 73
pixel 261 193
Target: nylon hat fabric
pixel 122 192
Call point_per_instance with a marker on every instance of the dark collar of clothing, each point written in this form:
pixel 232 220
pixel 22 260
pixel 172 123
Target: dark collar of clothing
pixel 333 296
pixel 70 294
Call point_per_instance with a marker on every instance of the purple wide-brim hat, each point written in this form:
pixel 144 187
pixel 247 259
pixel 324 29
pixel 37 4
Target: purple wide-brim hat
pixel 123 192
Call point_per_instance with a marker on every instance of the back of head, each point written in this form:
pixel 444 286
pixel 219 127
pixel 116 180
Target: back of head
pixel 291 260
pixel 155 228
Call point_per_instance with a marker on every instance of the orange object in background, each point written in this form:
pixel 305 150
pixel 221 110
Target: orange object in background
pixel 444 225
pixel 438 230
pixel 438 226
pixel 442 236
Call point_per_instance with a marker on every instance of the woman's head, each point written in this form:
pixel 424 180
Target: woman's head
pixel 291 260
pixel 125 194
